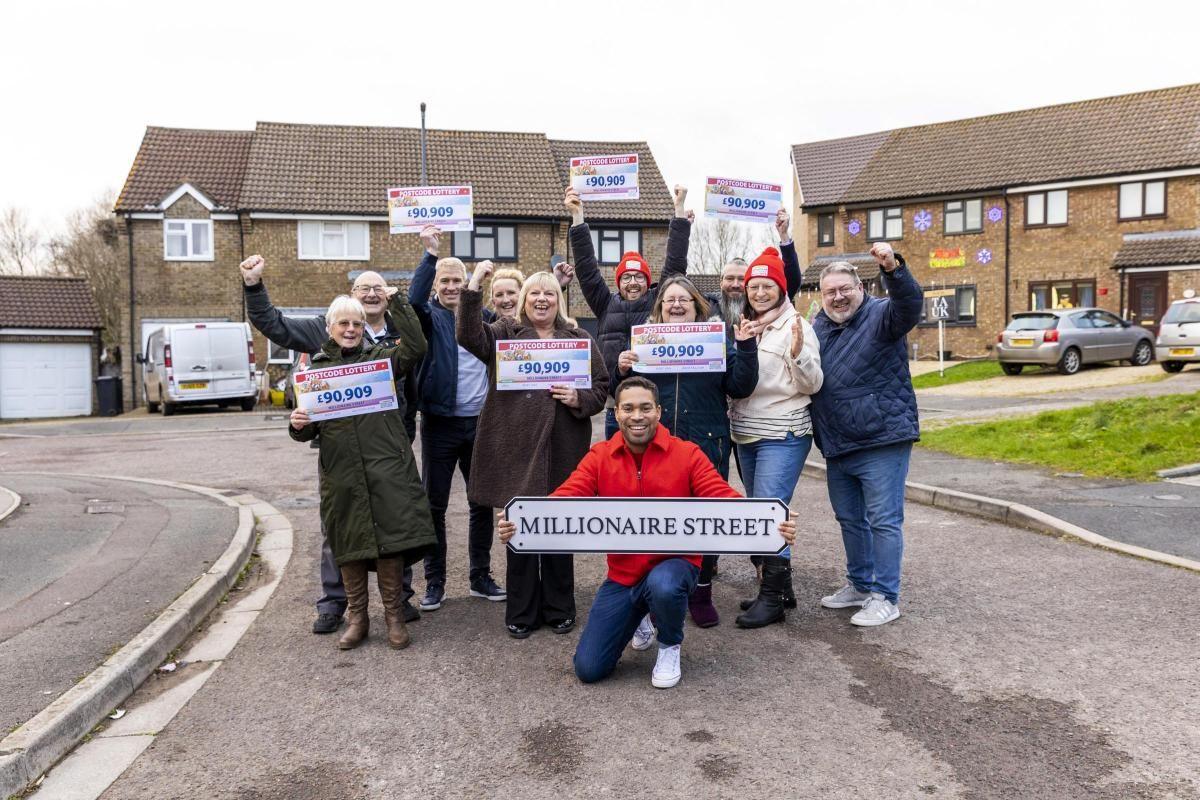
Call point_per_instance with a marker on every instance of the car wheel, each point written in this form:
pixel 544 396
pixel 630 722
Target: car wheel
pixel 248 403
pixel 1070 362
pixel 1172 366
pixel 1012 369
pixel 1143 354
pixel 167 408
pixel 150 407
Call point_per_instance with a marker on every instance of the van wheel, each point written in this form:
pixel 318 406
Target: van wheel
pixel 1172 366
pixel 151 407
pixel 1012 369
pixel 1143 354
pixel 1070 362
pixel 167 408
pixel 248 403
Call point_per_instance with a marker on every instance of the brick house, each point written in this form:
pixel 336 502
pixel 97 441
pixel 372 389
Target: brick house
pixel 1088 203
pixel 311 200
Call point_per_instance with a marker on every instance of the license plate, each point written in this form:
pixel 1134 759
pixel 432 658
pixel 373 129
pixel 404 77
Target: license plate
pixel 194 385
pixel 1182 351
pixel 1021 342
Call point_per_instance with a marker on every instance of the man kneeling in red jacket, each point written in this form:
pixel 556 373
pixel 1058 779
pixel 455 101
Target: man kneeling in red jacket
pixel 641 460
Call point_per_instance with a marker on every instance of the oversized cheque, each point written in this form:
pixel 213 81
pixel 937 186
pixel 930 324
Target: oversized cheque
pixel 344 391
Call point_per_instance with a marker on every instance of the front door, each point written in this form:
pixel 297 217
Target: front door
pixel 1147 299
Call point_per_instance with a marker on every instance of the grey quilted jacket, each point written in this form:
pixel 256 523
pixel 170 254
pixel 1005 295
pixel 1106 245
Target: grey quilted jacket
pixel 867 397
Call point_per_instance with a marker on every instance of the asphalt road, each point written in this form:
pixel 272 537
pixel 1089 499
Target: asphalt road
pixel 76 586
pixel 1024 667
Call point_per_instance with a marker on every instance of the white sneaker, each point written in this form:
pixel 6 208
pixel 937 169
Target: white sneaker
pixel 878 610
pixel 666 669
pixel 845 597
pixel 643 637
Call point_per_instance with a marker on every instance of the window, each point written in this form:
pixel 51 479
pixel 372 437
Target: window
pixel 884 223
pixel 187 240
pixel 281 355
pixel 1142 199
pixel 495 242
pixel 612 243
pixel 1046 208
pixel 964 306
pixel 963 216
pixel 1061 294
pixel 334 241
pixel 825 229
pixel 1103 319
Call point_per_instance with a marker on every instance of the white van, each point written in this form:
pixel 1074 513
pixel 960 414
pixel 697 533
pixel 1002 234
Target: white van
pixel 199 363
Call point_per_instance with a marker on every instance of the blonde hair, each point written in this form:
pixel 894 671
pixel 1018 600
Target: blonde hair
pixel 546 280
pixel 343 304
pixel 507 274
pixel 689 287
pixel 450 262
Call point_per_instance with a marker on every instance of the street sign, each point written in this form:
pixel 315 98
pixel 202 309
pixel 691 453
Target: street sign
pixel 941 304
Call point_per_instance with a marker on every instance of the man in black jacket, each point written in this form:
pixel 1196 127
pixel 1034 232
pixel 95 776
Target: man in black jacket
pixel 630 305
pixel 306 335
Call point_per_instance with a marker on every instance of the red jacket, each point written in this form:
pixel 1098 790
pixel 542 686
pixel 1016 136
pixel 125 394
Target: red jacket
pixel 671 467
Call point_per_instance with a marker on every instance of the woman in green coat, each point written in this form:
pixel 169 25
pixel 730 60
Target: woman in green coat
pixel 372 504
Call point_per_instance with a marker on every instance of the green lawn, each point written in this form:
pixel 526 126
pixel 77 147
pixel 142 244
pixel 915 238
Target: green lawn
pixel 959 373
pixel 1123 439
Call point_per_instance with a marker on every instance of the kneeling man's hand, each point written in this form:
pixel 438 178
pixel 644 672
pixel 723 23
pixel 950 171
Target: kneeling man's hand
pixel 787 529
pixel 505 528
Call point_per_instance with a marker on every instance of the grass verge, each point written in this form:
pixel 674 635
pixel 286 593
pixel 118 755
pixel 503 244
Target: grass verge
pixel 1123 439
pixel 959 373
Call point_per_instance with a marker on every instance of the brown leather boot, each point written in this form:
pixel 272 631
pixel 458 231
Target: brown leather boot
pixel 354 578
pixel 390 574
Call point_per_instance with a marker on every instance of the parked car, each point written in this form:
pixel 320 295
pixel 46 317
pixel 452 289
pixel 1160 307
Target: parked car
pixel 202 363
pixel 1068 338
pixel 1179 335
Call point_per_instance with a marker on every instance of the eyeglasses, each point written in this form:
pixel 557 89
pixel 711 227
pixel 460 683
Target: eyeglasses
pixel 678 301
pixel 848 291
pixel 366 290
pixel 633 277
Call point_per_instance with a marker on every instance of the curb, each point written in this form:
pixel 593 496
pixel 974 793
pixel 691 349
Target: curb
pixel 55 730
pixel 1020 516
pixel 1186 471
pixel 12 498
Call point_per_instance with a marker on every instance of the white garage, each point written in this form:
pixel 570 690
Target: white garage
pixel 48 347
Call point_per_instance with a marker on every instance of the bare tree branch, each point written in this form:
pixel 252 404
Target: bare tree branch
pixel 716 242
pixel 88 248
pixel 21 248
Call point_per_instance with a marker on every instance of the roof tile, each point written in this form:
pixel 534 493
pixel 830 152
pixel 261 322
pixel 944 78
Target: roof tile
pixel 42 302
pixel 212 161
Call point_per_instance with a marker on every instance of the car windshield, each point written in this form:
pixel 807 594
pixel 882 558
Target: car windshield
pixel 1033 322
pixel 1182 312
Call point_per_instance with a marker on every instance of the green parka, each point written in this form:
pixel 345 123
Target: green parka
pixel 372 502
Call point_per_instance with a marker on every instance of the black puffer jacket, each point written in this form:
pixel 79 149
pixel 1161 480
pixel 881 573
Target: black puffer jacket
pixel 615 315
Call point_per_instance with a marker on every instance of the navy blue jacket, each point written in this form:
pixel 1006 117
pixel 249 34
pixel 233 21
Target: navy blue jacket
pixel 694 407
pixel 867 398
pixel 437 377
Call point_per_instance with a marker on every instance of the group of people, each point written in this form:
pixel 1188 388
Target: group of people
pixel 841 381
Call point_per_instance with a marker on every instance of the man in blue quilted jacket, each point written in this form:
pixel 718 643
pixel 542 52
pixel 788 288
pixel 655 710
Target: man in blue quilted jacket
pixel 865 422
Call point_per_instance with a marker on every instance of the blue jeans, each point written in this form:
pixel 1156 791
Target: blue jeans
pixel 618 609
pixel 771 468
pixel 866 490
pixel 610 423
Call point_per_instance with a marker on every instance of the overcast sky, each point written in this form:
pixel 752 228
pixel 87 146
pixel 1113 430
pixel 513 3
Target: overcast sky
pixel 718 88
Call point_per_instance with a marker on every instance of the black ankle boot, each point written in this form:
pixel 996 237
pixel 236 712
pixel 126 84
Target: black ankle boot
pixel 768 606
pixel 789 597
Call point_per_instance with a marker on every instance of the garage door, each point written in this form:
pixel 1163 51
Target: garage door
pixel 45 380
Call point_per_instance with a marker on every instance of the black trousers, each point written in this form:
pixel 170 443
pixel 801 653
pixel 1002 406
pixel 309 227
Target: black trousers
pixel 446 443
pixel 541 589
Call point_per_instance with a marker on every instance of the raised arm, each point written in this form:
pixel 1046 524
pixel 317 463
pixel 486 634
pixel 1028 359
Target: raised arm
pixel 678 236
pixel 476 336
pixel 411 344
pixel 596 293
pixel 787 249
pixel 905 295
pixel 304 334
pixel 421 285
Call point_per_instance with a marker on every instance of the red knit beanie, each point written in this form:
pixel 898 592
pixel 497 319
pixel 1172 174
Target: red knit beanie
pixel 633 261
pixel 768 265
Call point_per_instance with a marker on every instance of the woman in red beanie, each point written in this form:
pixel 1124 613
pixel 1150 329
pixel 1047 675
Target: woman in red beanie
pixel 771 428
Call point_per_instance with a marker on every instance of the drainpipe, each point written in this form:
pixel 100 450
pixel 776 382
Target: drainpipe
pixel 133 339
pixel 241 257
pixel 424 163
pixel 1007 257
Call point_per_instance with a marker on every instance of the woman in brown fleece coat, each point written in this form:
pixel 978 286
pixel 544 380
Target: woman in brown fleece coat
pixel 528 442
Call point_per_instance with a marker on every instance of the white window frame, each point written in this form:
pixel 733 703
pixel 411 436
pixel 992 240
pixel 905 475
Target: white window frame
pixel 300 223
pixel 291 313
pixel 187 232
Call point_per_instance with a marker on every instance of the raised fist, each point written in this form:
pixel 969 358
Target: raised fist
pixel 884 256
pixel 252 269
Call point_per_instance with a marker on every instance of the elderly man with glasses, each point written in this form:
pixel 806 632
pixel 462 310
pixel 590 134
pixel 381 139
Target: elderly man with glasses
pixel 307 335
pixel 865 422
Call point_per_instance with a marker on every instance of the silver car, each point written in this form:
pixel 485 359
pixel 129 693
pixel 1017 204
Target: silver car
pixel 1068 338
pixel 1179 335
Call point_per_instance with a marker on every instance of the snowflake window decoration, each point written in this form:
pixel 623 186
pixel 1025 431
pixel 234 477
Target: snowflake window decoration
pixel 984 256
pixel 922 220
pixel 854 227
pixel 995 214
